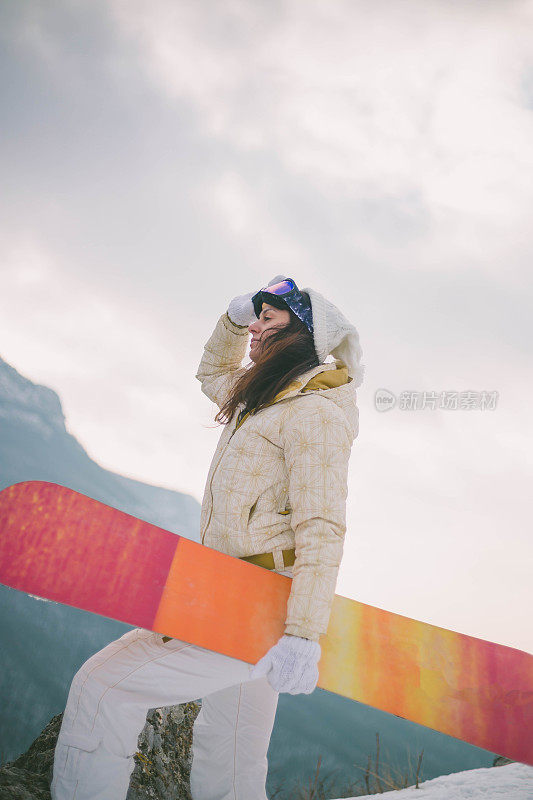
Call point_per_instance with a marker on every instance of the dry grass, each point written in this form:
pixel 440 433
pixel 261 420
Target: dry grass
pixel 377 777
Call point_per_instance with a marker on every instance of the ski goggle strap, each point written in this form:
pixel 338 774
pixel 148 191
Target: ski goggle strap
pixel 287 291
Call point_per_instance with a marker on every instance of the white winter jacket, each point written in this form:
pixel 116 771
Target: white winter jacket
pixel 278 478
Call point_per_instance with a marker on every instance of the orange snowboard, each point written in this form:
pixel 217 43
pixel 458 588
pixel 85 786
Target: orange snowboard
pixel 61 545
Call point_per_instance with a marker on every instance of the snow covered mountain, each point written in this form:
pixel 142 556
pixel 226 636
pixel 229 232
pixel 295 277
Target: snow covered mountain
pixel 44 643
pixel 35 445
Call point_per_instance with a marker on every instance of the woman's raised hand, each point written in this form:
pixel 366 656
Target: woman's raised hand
pixel 241 309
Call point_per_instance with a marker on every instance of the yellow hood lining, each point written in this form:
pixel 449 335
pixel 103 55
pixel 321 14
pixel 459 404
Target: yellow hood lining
pixel 329 379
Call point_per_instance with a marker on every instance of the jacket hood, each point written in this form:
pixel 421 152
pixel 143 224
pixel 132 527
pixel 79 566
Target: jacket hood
pixel 332 381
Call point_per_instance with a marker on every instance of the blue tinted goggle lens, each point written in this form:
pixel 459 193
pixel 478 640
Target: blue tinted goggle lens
pixel 284 287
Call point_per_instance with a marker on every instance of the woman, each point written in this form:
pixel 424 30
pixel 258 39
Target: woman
pixel 275 496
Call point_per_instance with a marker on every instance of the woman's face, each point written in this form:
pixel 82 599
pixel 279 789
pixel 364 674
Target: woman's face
pixel 270 318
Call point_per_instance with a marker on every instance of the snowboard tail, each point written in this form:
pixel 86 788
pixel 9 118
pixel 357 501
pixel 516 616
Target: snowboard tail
pixel 59 544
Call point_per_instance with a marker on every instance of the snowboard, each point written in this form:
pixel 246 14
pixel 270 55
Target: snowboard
pixel 61 545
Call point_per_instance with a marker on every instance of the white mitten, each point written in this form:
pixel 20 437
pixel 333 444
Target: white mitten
pixel 241 309
pixel 290 665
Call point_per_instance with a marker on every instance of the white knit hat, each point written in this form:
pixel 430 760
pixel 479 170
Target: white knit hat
pixel 334 335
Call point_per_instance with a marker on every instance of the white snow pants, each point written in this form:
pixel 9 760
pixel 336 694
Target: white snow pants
pixel 114 689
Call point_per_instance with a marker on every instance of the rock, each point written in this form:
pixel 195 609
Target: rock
pixel 29 776
pixel 162 762
pixel 501 761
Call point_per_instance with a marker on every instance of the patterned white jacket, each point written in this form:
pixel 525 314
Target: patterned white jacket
pixel 278 478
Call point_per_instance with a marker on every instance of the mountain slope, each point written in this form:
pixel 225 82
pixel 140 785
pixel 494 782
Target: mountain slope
pixel 35 445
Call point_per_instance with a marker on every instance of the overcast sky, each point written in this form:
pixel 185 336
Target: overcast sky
pixel 159 158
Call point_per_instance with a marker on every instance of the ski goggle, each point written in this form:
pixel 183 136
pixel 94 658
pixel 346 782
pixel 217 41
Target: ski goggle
pixel 288 292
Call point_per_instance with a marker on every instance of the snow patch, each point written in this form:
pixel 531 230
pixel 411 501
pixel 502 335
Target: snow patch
pixel 510 782
pixel 42 599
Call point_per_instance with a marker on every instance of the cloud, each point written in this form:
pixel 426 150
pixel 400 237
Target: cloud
pixel 412 115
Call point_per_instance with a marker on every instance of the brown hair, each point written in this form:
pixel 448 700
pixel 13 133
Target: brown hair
pixel 285 353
